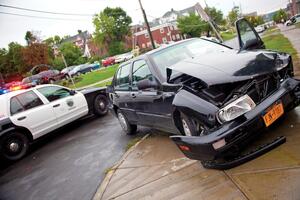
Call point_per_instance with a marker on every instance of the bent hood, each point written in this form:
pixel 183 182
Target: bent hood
pixel 231 66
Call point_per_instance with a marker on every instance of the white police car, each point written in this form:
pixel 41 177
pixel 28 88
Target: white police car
pixel 26 115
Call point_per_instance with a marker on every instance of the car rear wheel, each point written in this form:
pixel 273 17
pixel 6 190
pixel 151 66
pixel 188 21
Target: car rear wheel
pixel 100 105
pixel 14 146
pixel 129 129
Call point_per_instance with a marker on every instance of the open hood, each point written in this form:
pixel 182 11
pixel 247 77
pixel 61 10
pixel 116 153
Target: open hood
pixel 231 66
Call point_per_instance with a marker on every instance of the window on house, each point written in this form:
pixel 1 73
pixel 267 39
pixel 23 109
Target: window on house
pixel 143 46
pixel 173 37
pixel 162 30
pixel 177 36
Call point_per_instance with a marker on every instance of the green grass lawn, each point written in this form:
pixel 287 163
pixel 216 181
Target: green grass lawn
pixel 94 77
pixel 280 43
pixel 227 35
pixel 103 84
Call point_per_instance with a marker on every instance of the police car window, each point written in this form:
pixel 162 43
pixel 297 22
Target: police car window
pixel 53 93
pixel 27 100
pixel 122 82
pixel 140 71
pixel 15 106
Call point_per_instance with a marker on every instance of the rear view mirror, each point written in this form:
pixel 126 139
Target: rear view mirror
pixel 146 84
pixel 72 92
pixel 248 37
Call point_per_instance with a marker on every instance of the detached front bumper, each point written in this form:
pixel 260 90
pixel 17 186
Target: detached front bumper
pixel 240 130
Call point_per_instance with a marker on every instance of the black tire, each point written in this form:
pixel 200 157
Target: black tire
pixel 14 146
pixel 100 105
pixel 129 129
pixel 188 126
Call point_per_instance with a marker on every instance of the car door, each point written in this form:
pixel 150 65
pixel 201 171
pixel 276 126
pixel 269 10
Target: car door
pixel 122 92
pixel 29 111
pixel 153 107
pixel 248 37
pixel 67 105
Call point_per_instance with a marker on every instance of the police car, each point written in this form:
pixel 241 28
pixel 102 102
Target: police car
pixel 26 115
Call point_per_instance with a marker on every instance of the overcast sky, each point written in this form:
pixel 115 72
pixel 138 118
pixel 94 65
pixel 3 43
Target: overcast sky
pixel 13 28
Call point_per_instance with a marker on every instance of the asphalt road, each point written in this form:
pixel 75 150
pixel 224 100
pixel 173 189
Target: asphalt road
pixel 67 164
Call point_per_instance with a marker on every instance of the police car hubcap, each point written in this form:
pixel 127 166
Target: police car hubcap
pixel 102 105
pixel 14 147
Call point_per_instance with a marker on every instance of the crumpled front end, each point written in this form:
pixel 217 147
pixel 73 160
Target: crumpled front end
pixel 229 135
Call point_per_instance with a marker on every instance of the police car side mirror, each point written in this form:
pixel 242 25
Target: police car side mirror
pixel 72 92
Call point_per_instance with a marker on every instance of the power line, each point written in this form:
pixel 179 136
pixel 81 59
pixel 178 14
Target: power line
pixel 40 17
pixel 42 11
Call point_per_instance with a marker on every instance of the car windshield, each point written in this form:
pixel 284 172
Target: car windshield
pixel 169 56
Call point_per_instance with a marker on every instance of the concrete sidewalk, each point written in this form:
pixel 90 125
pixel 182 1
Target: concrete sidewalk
pixel 156 169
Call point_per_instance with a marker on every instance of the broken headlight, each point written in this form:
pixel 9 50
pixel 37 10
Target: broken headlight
pixel 236 109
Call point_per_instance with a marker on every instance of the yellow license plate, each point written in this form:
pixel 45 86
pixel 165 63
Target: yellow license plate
pixel 273 114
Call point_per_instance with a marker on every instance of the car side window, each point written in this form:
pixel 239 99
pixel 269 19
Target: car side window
pixel 140 71
pixel 25 101
pixel 122 81
pixel 246 32
pixel 15 106
pixel 53 93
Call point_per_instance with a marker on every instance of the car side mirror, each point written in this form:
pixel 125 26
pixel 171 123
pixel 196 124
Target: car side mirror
pixel 109 89
pixel 72 92
pixel 248 37
pixel 147 84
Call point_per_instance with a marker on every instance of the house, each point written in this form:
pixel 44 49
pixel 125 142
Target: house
pixel 81 40
pixel 162 34
pixel 164 29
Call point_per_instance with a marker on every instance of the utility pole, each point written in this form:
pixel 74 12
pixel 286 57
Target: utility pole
pixel 147 25
pixel 206 18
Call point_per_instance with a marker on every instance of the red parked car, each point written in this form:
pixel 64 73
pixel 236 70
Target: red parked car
pixel 108 61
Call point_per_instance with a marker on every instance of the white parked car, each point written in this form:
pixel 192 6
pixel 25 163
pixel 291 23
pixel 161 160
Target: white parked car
pixel 293 20
pixel 123 57
pixel 260 29
pixel 26 115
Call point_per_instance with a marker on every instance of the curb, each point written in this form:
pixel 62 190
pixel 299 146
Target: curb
pixel 102 188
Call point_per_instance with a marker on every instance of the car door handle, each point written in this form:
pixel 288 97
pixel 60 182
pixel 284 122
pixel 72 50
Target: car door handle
pixel 56 105
pixel 21 118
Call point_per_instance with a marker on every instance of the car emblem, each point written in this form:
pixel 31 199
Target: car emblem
pixel 70 103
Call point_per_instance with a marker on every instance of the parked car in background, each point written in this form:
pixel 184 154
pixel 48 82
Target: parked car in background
pixel 44 77
pixel 66 71
pixel 123 57
pixel 293 20
pixel 260 28
pixel 81 69
pixel 26 115
pixel 95 66
pixel 218 98
pixel 108 61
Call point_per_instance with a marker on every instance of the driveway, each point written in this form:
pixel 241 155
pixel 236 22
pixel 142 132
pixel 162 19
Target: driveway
pixel 67 164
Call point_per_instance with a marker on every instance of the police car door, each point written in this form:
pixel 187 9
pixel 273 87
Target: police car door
pixel 29 111
pixel 67 105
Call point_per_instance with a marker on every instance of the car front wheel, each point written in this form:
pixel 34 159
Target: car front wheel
pixel 14 146
pixel 129 129
pixel 100 105
pixel 190 126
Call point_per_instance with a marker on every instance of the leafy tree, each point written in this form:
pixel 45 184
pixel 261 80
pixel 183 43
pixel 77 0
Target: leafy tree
pixel 53 40
pixel 216 16
pixel 191 25
pixel 280 16
pixel 112 24
pixel 233 15
pixel 34 54
pixel 29 37
pixel 72 54
pixel 255 20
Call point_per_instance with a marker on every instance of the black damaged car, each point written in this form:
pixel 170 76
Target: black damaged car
pixel 216 97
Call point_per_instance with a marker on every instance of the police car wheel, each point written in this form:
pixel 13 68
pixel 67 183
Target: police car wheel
pixel 14 146
pixel 100 105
